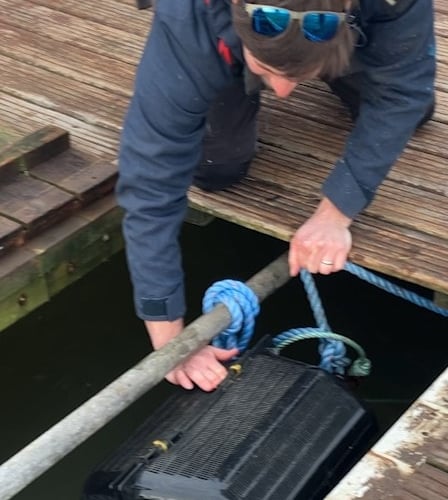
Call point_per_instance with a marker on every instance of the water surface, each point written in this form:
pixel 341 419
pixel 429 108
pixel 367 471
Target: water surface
pixel 70 348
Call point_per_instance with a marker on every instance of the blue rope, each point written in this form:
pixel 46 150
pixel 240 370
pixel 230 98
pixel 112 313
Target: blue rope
pixel 314 299
pixel 360 366
pixel 332 352
pixel 243 307
pixel 376 280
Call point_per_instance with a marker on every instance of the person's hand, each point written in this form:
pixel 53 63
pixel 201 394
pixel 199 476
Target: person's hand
pixel 322 243
pixel 203 368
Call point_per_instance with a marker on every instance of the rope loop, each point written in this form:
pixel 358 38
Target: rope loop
pixel 333 359
pixel 332 356
pixel 243 306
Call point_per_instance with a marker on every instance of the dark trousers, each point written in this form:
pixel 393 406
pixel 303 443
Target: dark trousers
pixel 230 140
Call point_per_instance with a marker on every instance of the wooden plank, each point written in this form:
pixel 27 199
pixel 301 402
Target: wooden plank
pixel 22 286
pixel 439 457
pixel 324 123
pixel 33 149
pixel 38 51
pixel 71 249
pixel 80 174
pixel 439 5
pixel 119 44
pixel 424 487
pixel 434 473
pixel 273 166
pixel 62 94
pixel 108 13
pixel 7 137
pixel 31 275
pixel 34 204
pixel 83 136
pixel 402 464
pixel 411 255
pixel 397 202
pixel 54 189
pixel 319 109
pixel 11 235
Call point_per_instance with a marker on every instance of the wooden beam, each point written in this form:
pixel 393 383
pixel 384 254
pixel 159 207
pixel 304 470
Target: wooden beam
pixel 412 453
pixel 34 273
pixel 33 149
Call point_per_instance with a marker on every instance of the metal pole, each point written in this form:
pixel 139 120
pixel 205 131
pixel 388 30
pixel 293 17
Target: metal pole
pixel 42 453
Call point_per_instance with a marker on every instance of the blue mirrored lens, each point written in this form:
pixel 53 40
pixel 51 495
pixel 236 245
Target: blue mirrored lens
pixel 269 21
pixel 320 26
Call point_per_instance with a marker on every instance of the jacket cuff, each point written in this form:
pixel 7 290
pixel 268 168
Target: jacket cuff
pixel 162 309
pixel 342 189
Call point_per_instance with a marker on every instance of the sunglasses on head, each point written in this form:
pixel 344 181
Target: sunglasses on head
pixel 316 26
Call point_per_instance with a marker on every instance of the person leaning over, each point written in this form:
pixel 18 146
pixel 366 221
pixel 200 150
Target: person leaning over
pixel 192 120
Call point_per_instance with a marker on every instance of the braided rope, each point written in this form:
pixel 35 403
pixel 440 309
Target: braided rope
pixel 243 307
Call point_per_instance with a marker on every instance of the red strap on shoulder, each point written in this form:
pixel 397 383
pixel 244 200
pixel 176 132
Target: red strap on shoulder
pixel 225 52
pixel 223 48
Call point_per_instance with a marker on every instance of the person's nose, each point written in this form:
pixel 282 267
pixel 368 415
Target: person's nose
pixel 281 86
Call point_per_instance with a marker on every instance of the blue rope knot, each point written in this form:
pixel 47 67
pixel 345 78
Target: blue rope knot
pixel 333 357
pixel 331 349
pixel 243 306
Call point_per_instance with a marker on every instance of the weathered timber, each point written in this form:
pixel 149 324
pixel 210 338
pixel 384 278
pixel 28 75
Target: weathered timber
pixel 22 286
pixel 71 64
pixel 38 270
pixel 11 235
pixel 7 137
pixel 34 204
pixel 21 46
pixel 44 181
pixel 84 135
pixel 300 138
pixel 88 104
pixel 33 149
pixel 71 249
pixel 411 460
pixel 95 37
pixel 109 13
pixel 80 174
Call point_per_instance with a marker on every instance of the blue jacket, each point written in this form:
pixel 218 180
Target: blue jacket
pixel 180 74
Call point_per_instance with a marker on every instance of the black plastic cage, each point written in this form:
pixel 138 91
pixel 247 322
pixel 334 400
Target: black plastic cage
pixel 277 430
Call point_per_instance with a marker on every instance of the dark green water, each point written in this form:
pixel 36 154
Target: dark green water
pixel 69 349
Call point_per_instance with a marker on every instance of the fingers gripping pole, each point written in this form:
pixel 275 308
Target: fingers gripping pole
pixel 45 451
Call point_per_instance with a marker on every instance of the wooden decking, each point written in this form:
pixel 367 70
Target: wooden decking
pixel 69 65
pixel 66 66
pixel 410 462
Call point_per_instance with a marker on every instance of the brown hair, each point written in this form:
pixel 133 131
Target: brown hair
pixel 290 52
